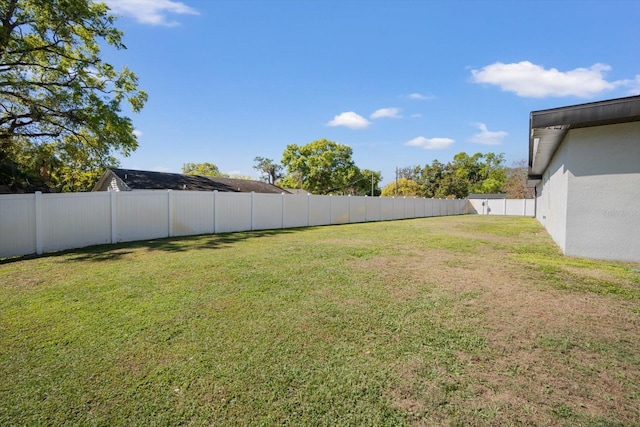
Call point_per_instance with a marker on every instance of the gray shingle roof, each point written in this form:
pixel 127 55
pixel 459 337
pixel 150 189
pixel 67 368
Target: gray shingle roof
pixel 149 180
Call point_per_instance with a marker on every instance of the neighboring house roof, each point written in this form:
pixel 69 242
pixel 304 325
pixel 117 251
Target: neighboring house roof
pixel 547 128
pixel 130 179
pixel 297 191
pixel 487 196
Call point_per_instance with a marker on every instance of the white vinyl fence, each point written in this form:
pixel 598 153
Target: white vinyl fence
pixel 40 223
pixel 519 207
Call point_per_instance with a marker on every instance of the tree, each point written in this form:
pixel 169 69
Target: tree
pixel 203 169
pixel 368 184
pixel 452 186
pixel 478 173
pixel 402 187
pixel 431 177
pixel 320 167
pixel 270 171
pixel 57 96
pixel 516 183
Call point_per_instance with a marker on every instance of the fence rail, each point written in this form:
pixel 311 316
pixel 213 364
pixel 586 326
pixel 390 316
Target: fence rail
pixel 41 223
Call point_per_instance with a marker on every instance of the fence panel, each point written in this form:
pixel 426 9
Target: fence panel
pixel 420 207
pixel 428 207
pixel 409 207
pixel 387 208
pixel 339 209
pixel 192 213
pixel 233 212
pixel 17 224
pixel 514 207
pixel 357 209
pixel 464 207
pixel 437 207
pixel 141 215
pixel 75 220
pixel 530 207
pixel 495 207
pixel 319 210
pixel 296 210
pixel 267 211
pixel 398 207
pixel 373 208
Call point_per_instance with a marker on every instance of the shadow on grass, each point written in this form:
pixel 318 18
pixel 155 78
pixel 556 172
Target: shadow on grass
pixel 112 252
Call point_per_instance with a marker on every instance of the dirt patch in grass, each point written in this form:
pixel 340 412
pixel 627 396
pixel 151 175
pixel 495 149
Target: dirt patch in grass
pixel 550 355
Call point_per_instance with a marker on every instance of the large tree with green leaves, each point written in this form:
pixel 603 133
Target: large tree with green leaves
pixel 477 173
pixel 368 184
pixel 320 167
pixel 270 171
pixel 58 99
pixel 202 169
pixel 402 187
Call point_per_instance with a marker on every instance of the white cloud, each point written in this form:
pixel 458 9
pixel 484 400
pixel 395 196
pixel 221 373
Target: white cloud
pixel 416 115
pixel 152 12
pixel 137 133
pixel 430 143
pixel 351 120
pixel 530 80
pixel 389 113
pixel 487 137
pixel 634 86
pixel 418 96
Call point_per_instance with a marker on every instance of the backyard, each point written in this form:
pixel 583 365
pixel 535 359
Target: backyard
pixel 450 320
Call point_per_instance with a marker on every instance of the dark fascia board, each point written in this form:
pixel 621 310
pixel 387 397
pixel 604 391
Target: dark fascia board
pixel 611 111
pixel 600 113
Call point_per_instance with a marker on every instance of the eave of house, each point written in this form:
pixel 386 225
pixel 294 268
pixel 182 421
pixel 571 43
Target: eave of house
pixel 548 128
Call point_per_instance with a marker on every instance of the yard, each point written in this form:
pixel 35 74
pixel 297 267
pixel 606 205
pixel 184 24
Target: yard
pixel 450 320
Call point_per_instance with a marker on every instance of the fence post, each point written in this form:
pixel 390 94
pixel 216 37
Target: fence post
pixel 114 222
pixel 38 206
pixel 505 206
pixel 308 209
pixel 170 212
pixel 366 218
pixel 253 193
pixel 282 208
pixel 215 213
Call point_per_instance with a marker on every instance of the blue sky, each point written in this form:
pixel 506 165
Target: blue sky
pixel 401 82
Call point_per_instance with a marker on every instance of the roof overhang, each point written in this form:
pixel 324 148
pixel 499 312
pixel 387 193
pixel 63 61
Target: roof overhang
pixel 548 128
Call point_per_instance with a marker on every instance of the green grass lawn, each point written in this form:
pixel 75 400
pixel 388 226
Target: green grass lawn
pixel 452 320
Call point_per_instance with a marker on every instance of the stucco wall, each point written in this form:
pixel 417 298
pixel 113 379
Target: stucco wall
pixel 551 204
pixel 603 215
pixel 589 197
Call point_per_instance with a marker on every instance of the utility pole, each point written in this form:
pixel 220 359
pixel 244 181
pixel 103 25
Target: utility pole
pixel 371 183
pixel 396 192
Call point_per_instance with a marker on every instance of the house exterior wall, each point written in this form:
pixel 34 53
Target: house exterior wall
pixel 551 200
pixel 589 198
pixel 604 192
